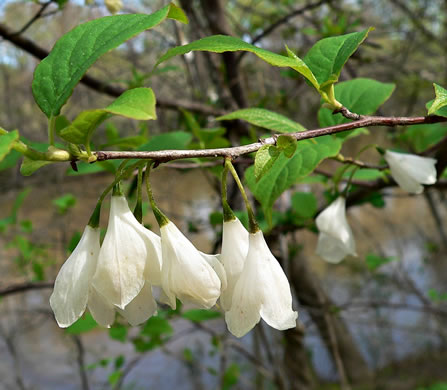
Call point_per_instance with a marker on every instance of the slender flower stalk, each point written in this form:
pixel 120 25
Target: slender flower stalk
pixel 335 240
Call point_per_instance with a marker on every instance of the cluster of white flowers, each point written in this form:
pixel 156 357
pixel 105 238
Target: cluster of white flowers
pixel 119 275
pixel 336 240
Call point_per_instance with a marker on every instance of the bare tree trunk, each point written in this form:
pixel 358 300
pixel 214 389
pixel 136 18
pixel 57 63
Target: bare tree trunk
pixel 296 361
pixel 334 332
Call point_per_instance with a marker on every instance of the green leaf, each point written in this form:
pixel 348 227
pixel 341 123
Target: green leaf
pixel 84 324
pixel 73 54
pixel 327 57
pixel 366 174
pixel 361 96
pixel 6 142
pixel 64 203
pixel 118 332
pixel 265 119
pixel 264 160
pixel 199 315
pixel 287 144
pixel 421 137
pixel 285 172
pixel 224 43
pixel 231 376
pixel 440 100
pixel 374 261
pixel 304 204
pixel 171 140
pixel 137 103
pixel 29 166
pixel 157 326
pixel 83 126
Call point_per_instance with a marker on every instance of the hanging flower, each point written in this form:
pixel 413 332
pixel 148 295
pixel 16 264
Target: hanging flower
pixel 234 252
pixel 129 255
pixel 186 273
pixel 335 240
pixel 262 290
pixel 410 171
pixel 136 312
pixel 71 288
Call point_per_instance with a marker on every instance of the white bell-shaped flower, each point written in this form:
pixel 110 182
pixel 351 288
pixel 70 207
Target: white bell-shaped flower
pixel 129 255
pixel 262 290
pixel 141 307
pixel 71 288
pixel 186 273
pixel 335 240
pixel 234 252
pixel 410 171
pixel 102 311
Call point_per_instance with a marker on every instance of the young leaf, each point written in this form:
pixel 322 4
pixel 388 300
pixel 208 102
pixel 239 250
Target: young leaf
pixel 361 96
pixel 287 144
pixel 224 43
pixel 29 166
pixel 6 142
pixel 264 160
pixel 285 172
pixel 81 129
pixel 327 57
pixel 72 55
pixel 137 103
pixel 265 119
pixel 440 101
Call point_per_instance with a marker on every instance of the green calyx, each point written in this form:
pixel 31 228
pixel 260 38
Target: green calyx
pixel 94 219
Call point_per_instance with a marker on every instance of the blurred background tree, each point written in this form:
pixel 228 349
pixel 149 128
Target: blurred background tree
pixel 376 321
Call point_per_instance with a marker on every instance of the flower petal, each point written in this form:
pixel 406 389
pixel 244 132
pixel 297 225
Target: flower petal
pixel 410 171
pixel 262 290
pixel 71 288
pixel 185 273
pixel 215 263
pixel 101 310
pixel 336 239
pixel 141 307
pixel 122 259
pixel 234 252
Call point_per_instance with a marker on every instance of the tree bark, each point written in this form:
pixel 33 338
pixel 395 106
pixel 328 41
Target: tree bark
pixel 333 331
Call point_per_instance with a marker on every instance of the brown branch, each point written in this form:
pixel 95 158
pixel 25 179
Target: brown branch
pixel 22 287
pixel 234 152
pixel 282 21
pixel 99 86
pixel 38 15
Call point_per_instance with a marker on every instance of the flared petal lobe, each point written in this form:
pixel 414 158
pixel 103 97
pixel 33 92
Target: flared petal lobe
pixel 102 311
pixel 128 256
pixel 335 240
pixel 186 274
pixel 71 288
pixel 234 252
pixel 141 307
pixel 262 290
pixel 410 171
